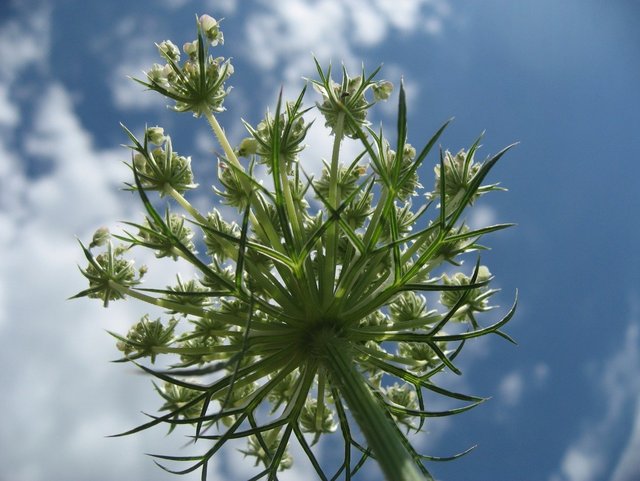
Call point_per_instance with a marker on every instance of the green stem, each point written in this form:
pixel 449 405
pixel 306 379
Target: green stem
pixel 331 239
pixel 260 219
pixel 165 304
pixel 222 138
pixel 335 156
pixel 375 220
pixel 294 215
pixel 186 205
pixel 377 425
pixel 264 224
pixel 320 405
pixel 269 286
pixel 174 306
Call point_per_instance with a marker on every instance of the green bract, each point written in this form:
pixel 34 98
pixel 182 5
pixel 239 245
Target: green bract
pixel 313 311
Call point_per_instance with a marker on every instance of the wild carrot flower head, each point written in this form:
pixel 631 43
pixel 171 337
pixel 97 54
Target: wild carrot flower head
pixel 312 313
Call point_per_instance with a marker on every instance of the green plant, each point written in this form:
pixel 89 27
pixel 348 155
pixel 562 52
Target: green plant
pixel 308 316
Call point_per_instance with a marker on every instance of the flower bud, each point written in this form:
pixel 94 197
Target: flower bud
pixel 106 269
pixel 476 298
pixel 409 306
pixel 289 133
pixel 459 171
pixel 190 69
pixel 310 421
pixel 422 355
pixel 164 168
pixel 405 396
pixel 146 336
pixel 382 90
pixel 100 237
pixel 337 100
pixel 153 235
pixel 271 440
pixel 247 147
pixel 176 396
pixel 198 84
pixel 186 294
pixel 218 245
pixel 234 193
pixel 155 135
pixel 409 152
pixel 142 270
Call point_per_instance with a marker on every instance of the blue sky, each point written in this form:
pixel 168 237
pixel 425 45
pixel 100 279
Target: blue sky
pixel 559 77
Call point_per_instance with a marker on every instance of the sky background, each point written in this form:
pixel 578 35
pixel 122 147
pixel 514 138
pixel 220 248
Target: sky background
pixel 561 78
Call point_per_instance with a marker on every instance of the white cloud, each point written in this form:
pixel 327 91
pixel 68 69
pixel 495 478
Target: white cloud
pixel 370 25
pixel 482 216
pixel 211 7
pixel 78 172
pixel 19 50
pixel 319 147
pixel 227 7
pixel 408 15
pixel 514 387
pixel 511 388
pixel 587 457
pixel 9 114
pixel 628 467
pixel 286 33
pixel 128 94
pixel 174 4
pixel 139 56
pixel 541 372
pixel 580 465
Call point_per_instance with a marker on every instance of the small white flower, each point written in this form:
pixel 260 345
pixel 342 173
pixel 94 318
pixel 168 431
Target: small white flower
pixel 191 49
pixel 382 90
pixel 169 50
pixel 211 29
pixel 100 237
pixel 155 135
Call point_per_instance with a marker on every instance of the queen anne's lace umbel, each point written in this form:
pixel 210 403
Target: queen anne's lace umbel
pixel 313 312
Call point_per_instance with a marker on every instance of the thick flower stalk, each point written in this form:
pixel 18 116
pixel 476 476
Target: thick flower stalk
pixel 315 310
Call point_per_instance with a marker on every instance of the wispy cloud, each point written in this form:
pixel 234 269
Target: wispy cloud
pixel 516 385
pixel 482 216
pixel 130 47
pixel 212 7
pixel 628 466
pixel 591 455
pixel 511 388
pixel 227 7
pixel 284 34
pixel 24 42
